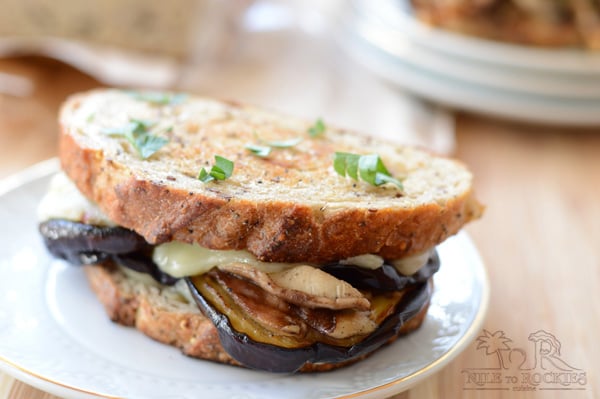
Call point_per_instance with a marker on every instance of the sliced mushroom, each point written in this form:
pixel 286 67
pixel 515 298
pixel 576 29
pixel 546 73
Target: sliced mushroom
pixel 269 311
pixel 304 286
pixel 341 324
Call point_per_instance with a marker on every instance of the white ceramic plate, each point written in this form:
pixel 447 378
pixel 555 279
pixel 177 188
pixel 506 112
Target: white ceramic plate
pixel 54 334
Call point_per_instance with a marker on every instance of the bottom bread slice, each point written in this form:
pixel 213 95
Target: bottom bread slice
pixel 164 314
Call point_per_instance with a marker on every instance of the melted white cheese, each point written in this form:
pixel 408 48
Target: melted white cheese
pixel 406 266
pixel 410 265
pixel 64 201
pixel 179 259
pixel 367 261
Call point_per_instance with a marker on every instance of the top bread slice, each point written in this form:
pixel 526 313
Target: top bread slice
pixel 288 207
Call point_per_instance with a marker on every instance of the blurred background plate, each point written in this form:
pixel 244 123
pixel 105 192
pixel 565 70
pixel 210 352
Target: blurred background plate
pixel 398 15
pixel 494 76
pixel 469 80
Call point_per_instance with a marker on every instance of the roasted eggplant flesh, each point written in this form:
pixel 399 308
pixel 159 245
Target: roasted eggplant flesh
pixel 261 331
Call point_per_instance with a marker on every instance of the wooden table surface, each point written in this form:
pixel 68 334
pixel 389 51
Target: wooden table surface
pixel 539 238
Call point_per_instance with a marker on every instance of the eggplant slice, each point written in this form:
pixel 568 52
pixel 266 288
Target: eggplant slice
pixel 66 239
pixel 84 244
pixel 261 347
pixel 259 329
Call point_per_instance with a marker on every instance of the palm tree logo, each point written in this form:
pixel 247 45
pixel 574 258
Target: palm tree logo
pixel 494 343
pixel 546 354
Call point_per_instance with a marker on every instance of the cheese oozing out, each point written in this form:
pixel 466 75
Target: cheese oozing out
pixel 64 201
pixel 406 266
pixel 180 259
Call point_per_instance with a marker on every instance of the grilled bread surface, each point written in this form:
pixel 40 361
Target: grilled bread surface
pixel 290 206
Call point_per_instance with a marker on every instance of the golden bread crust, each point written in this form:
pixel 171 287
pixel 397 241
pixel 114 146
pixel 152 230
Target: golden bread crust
pixel 289 207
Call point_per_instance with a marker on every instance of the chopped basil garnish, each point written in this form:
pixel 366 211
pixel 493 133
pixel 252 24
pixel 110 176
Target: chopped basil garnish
pixel 369 168
pixel 317 129
pixel 262 151
pixel 221 170
pixel 137 132
pixel 284 143
pixel 265 147
pixel 158 97
pixel 148 144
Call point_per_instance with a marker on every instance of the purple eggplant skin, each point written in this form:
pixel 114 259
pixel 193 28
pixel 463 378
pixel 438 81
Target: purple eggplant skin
pixel 83 244
pixel 384 278
pixel 66 239
pixel 261 356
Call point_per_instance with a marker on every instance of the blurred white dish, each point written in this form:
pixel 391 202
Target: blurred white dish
pixel 469 79
pixel 488 75
pixel 398 15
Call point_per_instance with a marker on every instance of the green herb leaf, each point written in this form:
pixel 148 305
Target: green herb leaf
pixel 204 177
pixel 340 161
pixel 159 98
pixel 262 151
pixel 148 144
pixel 317 129
pixel 224 165
pixel 265 147
pixel 141 125
pixel 221 170
pixel 380 178
pixel 137 133
pixel 352 162
pixel 284 143
pixel 370 168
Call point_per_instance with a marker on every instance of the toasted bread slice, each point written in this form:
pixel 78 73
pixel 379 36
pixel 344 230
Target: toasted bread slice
pixel 289 207
pixel 162 313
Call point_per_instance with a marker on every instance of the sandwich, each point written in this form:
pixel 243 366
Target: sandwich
pixel 550 23
pixel 246 237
